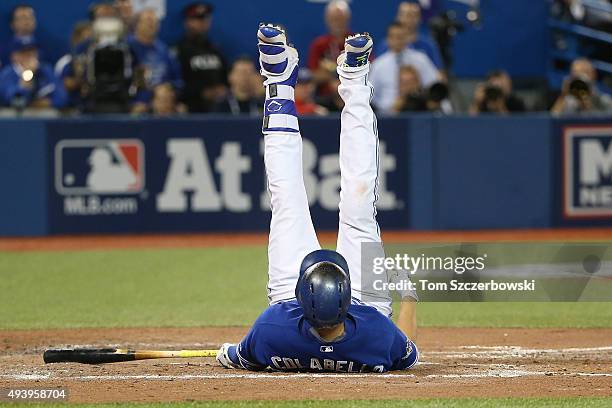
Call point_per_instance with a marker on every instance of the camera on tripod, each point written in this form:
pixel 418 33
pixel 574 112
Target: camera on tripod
pixel 109 67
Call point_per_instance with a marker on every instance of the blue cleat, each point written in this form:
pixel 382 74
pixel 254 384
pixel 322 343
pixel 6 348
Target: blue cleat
pixel 271 34
pixel 278 60
pixel 356 55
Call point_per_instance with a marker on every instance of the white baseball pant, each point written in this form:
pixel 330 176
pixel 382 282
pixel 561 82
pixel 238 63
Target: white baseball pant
pixel 292 235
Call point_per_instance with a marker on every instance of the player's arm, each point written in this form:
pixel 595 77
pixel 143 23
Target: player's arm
pixel 404 352
pixel 406 319
pixel 242 355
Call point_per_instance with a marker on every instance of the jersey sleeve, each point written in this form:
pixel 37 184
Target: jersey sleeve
pixel 404 352
pixel 245 354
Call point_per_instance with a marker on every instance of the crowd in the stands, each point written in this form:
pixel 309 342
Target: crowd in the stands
pixel 118 64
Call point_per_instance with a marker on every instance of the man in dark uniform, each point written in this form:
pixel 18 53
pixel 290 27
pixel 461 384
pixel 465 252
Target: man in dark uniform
pixel 204 68
pixel 242 97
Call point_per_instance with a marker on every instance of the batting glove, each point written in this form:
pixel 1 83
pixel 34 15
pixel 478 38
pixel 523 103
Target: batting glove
pixel 223 356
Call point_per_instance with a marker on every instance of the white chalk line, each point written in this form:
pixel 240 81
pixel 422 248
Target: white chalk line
pixel 499 373
pixel 517 373
pixel 505 352
pixel 253 376
pixel 562 350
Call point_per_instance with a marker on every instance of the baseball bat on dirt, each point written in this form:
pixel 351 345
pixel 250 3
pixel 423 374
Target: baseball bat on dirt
pixel 112 355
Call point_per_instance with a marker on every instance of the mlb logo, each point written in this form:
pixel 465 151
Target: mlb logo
pixel 587 173
pixel 327 349
pixel 99 166
pixel 408 350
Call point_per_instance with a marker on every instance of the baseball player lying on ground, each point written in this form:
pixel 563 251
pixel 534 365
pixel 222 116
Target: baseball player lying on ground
pixel 318 318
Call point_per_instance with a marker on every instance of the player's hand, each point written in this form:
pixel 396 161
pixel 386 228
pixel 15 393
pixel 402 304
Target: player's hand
pixel 223 357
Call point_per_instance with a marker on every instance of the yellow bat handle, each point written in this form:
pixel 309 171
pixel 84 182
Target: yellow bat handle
pixel 148 354
pixel 198 353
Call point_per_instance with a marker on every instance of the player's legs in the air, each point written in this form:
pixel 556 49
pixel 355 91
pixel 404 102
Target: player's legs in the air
pixel 359 168
pixel 292 235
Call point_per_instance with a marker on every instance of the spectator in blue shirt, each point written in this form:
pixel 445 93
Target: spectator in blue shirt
pixel 153 62
pixel 409 14
pixel 70 68
pixel 419 38
pixel 29 83
pixel 23 26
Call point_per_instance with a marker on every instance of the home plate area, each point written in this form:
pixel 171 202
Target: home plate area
pixel 455 362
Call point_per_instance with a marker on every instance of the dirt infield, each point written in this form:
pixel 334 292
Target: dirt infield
pixel 455 362
pixel 465 362
pixel 89 242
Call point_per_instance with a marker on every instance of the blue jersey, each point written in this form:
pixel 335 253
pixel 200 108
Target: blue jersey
pixel 283 340
pixel 160 64
pixel 45 85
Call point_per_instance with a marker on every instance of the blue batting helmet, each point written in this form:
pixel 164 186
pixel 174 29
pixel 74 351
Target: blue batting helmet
pixel 324 288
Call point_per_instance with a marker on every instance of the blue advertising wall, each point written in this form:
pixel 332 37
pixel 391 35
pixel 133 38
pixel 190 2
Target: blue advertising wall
pixel 120 175
pixel 241 206
pixel 24 167
pixel 512 34
pixel 500 164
